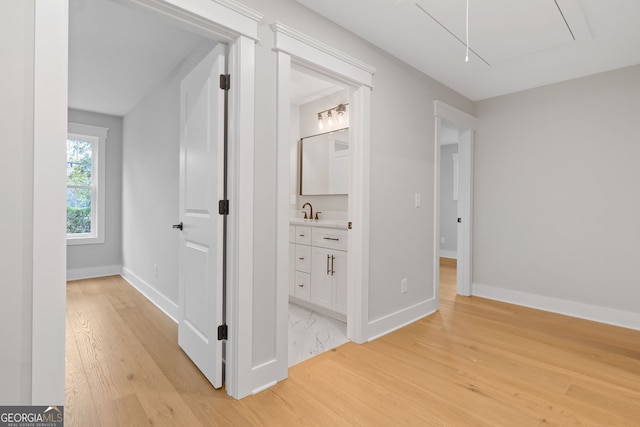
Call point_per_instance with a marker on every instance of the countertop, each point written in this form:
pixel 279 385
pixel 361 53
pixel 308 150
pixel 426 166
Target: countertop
pixel 327 223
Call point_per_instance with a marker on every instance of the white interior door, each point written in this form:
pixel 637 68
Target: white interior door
pixel 201 180
pixel 465 177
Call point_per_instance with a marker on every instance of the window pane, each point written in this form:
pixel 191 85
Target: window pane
pixel 78 162
pixel 78 210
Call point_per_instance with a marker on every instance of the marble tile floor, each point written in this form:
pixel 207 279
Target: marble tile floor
pixel 311 333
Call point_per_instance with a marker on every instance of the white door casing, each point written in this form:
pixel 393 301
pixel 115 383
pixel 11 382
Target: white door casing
pixel 292 46
pixel 201 177
pixel 225 20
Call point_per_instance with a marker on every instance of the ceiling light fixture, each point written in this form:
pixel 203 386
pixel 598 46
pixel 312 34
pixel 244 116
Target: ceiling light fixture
pixel 340 111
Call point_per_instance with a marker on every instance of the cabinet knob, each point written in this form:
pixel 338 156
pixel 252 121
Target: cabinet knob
pixel 301 258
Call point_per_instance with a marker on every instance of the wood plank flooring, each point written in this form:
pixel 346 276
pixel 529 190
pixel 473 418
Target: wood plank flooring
pixel 475 362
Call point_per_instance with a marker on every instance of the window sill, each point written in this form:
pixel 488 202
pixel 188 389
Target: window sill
pixel 86 240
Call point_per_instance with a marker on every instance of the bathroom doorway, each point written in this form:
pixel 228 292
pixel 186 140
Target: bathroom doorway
pixel 319 171
pixel 294 49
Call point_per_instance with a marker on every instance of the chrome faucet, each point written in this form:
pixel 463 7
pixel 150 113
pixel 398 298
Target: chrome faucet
pixel 310 211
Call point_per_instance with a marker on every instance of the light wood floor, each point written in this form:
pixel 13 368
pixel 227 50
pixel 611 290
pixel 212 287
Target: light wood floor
pixel 475 362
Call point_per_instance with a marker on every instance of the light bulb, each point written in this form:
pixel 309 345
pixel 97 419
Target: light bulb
pixel 329 118
pixel 320 122
pixel 340 109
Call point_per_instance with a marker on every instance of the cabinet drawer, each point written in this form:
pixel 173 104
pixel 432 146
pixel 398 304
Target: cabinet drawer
pixel 292 234
pixel 330 238
pixel 303 235
pixel 303 258
pixel 303 286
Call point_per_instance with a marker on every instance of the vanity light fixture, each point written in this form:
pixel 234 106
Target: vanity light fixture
pixel 339 109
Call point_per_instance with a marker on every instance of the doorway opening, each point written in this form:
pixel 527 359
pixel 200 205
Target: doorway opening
pixel 319 194
pixel 453 193
pixel 297 51
pixel 449 138
pixel 131 80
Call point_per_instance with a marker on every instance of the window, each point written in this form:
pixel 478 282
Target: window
pixel 85 184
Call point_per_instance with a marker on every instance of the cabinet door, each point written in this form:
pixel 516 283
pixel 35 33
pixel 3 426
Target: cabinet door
pixel 339 282
pixel 321 277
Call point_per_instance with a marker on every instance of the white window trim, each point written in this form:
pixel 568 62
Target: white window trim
pixel 99 136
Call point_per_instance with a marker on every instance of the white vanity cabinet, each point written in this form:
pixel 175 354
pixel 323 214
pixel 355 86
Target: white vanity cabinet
pixel 318 267
pixel 300 261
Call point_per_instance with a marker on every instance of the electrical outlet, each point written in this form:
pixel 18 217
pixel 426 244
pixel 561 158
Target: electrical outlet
pixel 417 200
pixel 293 199
pixel 155 270
pixel 442 240
pixel 404 286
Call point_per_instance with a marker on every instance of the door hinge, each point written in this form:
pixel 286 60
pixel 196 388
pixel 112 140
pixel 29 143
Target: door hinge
pixel 350 225
pixel 460 220
pixel 225 81
pixel 223 207
pixel 222 332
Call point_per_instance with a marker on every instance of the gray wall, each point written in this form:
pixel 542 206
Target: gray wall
pixel 402 163
pixel 16 188
pixel 108 253
pixel 150 192
pixel 556 191
pixel 448 206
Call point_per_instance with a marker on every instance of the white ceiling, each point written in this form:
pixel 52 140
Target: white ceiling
pixel 516 45
pixel 448 134
pixel 306 87
pixel 118 54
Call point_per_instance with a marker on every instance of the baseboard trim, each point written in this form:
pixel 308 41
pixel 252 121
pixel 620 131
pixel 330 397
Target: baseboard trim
pixel 394 321
pixel 167 306
pixel 448 254
pixel 92 272
pixel 625 319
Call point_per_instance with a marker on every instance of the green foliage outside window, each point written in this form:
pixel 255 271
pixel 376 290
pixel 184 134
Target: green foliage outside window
pixel 78 220
pixel 79 181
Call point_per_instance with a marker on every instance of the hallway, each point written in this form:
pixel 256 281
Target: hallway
pixel 475 362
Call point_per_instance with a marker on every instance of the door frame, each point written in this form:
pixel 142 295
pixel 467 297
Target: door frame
pixel 294 47
pixel 221 20
pixel 466 124
pixel 236 25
